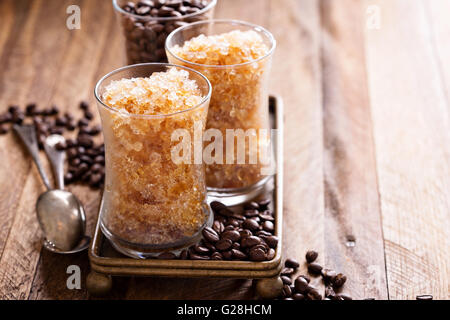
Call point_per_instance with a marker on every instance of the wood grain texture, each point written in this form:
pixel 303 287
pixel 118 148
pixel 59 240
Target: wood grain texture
pixel 354 241
pixel 296 26
pixel 412 137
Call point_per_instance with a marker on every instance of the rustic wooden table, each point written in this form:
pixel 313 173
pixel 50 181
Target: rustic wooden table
pixel 366 86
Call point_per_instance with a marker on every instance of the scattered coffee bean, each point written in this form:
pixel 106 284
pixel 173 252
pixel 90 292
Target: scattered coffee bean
pixel 286 280
pixel 298 296
pixel 301 284
pixel 314 268
pixel 291 263
pixel 311 256
pixel 424 297
pixel 339 280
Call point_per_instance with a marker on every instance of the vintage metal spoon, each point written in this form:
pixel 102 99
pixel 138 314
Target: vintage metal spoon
pixel 60 214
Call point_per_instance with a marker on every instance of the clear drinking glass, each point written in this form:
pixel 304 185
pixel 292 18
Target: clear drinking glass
pixel 151 204
pixel 145 35
pixel 239 101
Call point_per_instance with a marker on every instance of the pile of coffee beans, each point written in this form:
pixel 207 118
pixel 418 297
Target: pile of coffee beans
pixel 146 36
pixel 245 233
pixel 300 287
pixel 86 159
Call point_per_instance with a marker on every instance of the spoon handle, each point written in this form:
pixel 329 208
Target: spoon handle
pixel 56 158
pixel 27 133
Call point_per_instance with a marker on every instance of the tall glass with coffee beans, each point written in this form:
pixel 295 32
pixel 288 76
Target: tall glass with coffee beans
pixel 147 23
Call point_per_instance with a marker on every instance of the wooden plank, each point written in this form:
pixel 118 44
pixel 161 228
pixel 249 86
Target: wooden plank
pixel 412 138
pixel 26 74
pixel 353 235
pixel 296 77
pixel 96 41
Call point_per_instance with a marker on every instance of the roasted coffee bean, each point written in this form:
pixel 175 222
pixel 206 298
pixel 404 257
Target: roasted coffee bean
pixel 61 146
pixel 270 254
pixel 251 241
pixel 13 109
pixel 328 275
pixel 287 272
pixel 251 206
pixel 311 256
pixel 313 293
pixel 88 115
pixel 5 118
pixel 218 226
pixel 30 109
pixel 216 256
pixel 68 178
pixel 95 180
pixel 339 280
pixel 424 297
pixel 227 255
pixel 166 256
pixel 3 129
pixel 71 153
pixel 251 213
pixel 224 244
pixel 233 222
pixel 85 141
pixel 301 285
pixel 268 226
pixel 287 292
pixel 314 268
pixel 201 249
pixel 272 241
pixel 233 235
pixel 329 292
pixel 245 233
pixel 210 235
pixel 291 263
pixel 266 217
pixel 83 122
pixel 99 159
pixel 238 254
pixel 307 279
pixel 217 207
pixel 195 256
pixel 264 233
pixel 250 224
pixel 236 245
pixel 286 280
pixel 298 296
pixel 263 204
pixel 257 254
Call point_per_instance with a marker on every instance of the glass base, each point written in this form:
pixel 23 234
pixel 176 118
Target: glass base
pixel 235 196
pixel 138 251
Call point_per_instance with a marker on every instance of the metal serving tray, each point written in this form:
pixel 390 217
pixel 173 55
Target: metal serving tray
pixel 106 261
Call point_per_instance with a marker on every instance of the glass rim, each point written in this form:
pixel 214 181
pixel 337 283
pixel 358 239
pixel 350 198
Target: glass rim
pixel 116 6
pixel 256 27
pixel 150 116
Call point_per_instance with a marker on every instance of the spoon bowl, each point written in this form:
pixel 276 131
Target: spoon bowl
pixel 62 218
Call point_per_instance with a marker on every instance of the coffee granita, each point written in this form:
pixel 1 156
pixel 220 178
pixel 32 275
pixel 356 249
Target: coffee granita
pixel 149 199
pixel 233 62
